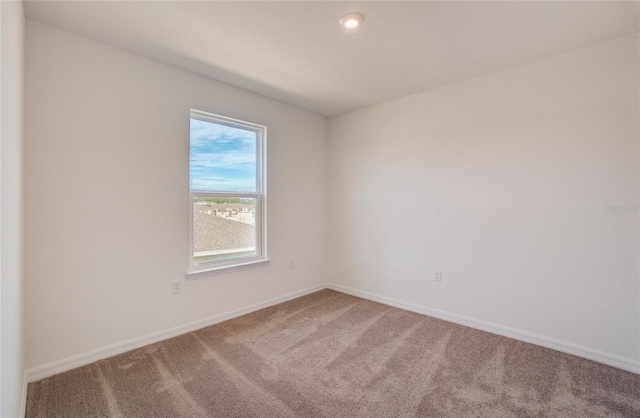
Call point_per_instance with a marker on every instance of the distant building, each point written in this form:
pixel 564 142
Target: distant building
pixel 216 237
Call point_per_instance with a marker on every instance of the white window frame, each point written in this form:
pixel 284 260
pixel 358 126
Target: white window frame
pixel 260 259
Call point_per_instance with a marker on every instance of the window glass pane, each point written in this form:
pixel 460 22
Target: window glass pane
pixel 222 158
pixel 223 228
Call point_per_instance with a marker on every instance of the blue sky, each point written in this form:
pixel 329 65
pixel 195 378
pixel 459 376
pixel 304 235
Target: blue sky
pixel 222 158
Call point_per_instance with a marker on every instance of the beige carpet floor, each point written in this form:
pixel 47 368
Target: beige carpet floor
pixel 333 355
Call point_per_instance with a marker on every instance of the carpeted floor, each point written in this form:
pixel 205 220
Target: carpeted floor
pixel 332 355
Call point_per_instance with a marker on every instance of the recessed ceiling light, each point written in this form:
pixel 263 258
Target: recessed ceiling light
pixel 351 20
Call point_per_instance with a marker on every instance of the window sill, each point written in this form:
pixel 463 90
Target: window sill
pixel 214 271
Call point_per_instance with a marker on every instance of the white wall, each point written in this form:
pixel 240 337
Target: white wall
pixel 106 200
pixel 501 182
pixel 11 139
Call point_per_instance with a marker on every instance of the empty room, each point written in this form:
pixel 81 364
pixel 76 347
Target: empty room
pixel 319 209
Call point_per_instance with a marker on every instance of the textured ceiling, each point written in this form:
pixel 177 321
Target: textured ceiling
pixel 295 52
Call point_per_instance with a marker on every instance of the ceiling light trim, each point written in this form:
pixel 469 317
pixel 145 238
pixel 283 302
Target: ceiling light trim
pixel 351 21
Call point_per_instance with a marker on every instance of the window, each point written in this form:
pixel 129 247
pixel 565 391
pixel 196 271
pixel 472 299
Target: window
pixel 227 194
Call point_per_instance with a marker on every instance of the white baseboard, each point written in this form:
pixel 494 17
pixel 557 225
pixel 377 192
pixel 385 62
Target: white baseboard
pixel 565 347
pixel 73 362
pixel 50 369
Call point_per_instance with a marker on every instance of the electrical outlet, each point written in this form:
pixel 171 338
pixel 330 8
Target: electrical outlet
pixel 437 277
pixel 176 286
pixel 292 263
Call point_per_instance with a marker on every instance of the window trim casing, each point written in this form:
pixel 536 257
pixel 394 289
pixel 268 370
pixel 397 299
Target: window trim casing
pixel 243 263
